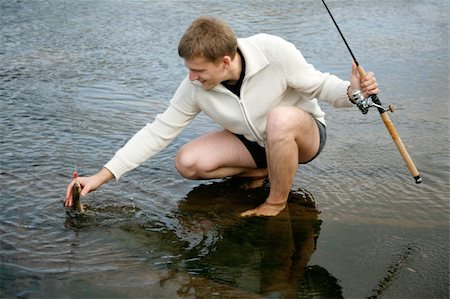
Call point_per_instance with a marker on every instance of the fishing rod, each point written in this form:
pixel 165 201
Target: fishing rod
pixel 373 101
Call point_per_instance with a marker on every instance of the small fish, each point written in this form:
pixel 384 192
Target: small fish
pixel 76 195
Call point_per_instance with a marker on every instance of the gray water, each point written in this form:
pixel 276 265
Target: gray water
pixel 78 78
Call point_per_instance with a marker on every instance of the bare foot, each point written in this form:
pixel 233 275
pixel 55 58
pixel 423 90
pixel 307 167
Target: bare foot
pixel 265 209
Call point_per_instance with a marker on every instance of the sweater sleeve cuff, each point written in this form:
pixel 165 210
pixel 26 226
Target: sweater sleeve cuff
pixel 117 167
pixel 344 100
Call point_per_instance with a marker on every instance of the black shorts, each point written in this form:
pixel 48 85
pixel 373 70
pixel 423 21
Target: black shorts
pixel 259 153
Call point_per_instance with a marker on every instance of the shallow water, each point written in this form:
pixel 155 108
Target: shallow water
pixel 78 78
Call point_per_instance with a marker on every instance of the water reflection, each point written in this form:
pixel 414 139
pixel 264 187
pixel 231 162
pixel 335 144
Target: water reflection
pixel 227 255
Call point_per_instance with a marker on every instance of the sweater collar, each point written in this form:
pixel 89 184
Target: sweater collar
pixel 254 58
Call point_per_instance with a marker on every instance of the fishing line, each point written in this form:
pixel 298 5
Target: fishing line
pixel 340 32
pixel 73 136
pixel 72 131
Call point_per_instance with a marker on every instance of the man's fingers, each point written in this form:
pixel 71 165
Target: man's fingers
pixel 369 84
pixel 355 69
pixel 86 186
pixel 68 199
pixel 85 191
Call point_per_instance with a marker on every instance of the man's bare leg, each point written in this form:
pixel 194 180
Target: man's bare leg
pixel 292 137
pixel 216 155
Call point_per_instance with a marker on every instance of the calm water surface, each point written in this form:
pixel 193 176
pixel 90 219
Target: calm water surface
pixel 78 78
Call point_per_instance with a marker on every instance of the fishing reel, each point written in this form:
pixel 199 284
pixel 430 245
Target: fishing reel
pixel 365 103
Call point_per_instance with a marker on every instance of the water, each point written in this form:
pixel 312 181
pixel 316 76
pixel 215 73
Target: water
pixel 78 78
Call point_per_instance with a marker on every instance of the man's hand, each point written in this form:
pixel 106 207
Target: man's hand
pixel 265 209
pixel 88 184
pixel 367 84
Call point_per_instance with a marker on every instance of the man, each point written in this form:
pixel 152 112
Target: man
pixel 261 91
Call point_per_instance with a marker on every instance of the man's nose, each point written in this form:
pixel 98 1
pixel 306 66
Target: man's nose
pixel 193 76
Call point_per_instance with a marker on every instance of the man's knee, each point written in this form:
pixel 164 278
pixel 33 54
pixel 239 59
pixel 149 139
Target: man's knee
pixel 282 122
pixel 186 164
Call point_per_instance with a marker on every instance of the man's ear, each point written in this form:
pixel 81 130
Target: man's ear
pixel 226 62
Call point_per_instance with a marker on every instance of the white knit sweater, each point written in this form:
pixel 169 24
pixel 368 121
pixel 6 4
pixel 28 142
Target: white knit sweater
pixel 276 74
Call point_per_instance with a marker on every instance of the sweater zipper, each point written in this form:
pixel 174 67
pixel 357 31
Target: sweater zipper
pixel 244 113
pixel 248 122
pixel 250 125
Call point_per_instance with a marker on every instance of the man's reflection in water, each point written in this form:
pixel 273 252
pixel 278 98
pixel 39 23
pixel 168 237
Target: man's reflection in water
pixel 265 255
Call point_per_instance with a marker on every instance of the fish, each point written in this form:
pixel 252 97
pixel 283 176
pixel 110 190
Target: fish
pixel 76 192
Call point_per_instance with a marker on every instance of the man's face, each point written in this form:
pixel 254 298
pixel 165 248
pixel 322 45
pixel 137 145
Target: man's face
pixel 209 74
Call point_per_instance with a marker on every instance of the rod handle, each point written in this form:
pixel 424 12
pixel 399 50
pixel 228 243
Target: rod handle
pixel 401 147
pixel 395 137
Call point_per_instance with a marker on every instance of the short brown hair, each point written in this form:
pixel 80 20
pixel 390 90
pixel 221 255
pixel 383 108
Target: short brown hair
pixel 209 38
